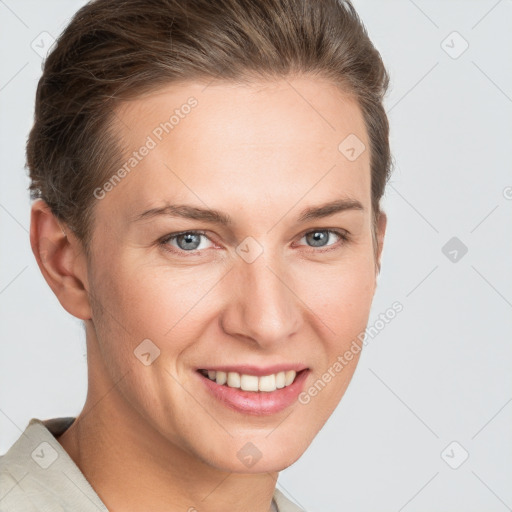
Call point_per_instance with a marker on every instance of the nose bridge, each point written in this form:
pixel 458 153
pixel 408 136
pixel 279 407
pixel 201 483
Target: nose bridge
pixel 267 309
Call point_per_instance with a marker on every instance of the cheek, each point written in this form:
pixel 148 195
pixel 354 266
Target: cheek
pixel 341 296
pixel 342 304
pixel 155 303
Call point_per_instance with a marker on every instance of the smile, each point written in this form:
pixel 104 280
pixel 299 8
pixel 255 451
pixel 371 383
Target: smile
pixel 254 394
pixel 246 382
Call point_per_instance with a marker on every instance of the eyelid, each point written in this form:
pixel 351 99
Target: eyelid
pixel 337 231
pixel 163 241
pixel 343 234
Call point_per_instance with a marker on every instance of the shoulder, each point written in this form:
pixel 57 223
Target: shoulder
pixel 19 490
pixel 37 474
pixel 284 504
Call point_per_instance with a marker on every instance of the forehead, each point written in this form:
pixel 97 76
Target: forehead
pixel 221 141
pixel 287 111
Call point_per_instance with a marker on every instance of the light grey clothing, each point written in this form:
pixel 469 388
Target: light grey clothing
pixel 38 475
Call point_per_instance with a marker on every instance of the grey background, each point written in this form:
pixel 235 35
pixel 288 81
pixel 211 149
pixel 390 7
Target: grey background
pixel 441 370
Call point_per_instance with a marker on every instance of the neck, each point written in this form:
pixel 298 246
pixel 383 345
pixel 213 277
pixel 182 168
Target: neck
pixel 133 467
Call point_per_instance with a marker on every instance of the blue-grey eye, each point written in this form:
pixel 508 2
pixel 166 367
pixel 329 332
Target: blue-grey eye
pixel 318 238
pixel 191 241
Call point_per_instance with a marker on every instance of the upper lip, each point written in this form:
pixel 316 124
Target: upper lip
pixel 257 370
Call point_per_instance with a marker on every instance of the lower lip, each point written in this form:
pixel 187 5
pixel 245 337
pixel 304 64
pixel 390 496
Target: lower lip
pixel 256 402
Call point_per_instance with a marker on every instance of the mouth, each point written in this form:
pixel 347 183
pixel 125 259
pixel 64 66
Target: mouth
pixel 250 382
pixel 254 394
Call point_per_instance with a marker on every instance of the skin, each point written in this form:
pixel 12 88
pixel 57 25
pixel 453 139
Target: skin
pixel 151 437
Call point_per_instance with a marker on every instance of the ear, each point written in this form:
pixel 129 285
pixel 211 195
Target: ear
pixel 61 259
pixel 381 231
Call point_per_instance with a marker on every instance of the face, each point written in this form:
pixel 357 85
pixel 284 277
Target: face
pixel 261 284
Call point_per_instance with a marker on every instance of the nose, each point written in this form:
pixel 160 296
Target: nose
pixel 262 305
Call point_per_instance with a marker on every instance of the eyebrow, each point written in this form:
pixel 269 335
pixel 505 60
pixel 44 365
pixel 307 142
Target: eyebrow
pixel 217 217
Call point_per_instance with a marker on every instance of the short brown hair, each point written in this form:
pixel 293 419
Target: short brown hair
pixel 114 50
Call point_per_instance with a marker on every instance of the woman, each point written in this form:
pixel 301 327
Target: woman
pixel 207 178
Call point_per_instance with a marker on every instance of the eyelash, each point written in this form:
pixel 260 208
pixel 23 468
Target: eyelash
pixel 164 242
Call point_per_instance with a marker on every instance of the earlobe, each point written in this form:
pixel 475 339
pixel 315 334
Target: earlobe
pixel 61 260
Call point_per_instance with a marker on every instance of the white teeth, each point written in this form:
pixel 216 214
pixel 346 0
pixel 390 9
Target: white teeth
pixel 233 380
pixel 249 382
pixel 289 377
pixel 267 383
